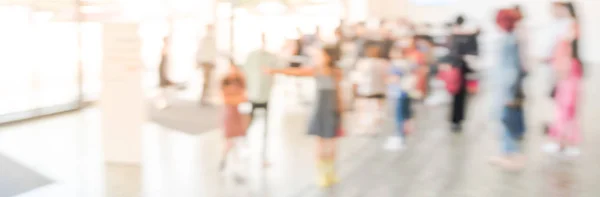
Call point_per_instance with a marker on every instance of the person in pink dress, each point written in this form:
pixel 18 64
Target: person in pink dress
pixel 565 132
pixel 233 89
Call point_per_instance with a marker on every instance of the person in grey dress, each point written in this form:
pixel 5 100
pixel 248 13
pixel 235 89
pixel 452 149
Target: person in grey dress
pixel 325 122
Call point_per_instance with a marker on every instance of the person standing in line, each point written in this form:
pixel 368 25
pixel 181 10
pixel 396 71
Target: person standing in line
pixel 360 39
pixel 419 62
pixel 206 57
pixel 424 44
pixel 464 44
pixel 370 77
pixel 260 84
pixel 164 82
pixel 400 84
pixel 508 77
pixel 339 41
pixel 298 52
pixel 564 131
pixel 233 90
pixel 326 120
pixel 387 43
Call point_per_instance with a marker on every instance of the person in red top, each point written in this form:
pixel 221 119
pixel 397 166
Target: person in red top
pixel 419 59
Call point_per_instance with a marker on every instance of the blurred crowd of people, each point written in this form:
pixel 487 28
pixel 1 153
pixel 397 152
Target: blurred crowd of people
pixel 396 65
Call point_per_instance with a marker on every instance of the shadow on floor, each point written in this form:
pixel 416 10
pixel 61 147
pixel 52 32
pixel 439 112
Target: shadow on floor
pixel 186 116
pixel 16 178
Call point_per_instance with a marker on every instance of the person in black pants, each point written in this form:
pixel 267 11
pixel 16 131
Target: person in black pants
pixel 463 43
pixel 264 106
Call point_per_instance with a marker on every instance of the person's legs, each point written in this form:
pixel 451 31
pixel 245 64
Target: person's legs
pixel 407 114
pixel 555 132
pixel 321 162
pixel 380 106
pixel 161 101
pixel 326 151
pixel 371 114
pixel 395 142
pixel 352 102
pixel 226 151
pixel 511 130
pixel 458 109
pixel 399 116
pixel 252 113
pixel 206 81
pixel 266 163
pixel 572 138
pixel 265 107
pixel 511 157
pixel 509 143
pixel 330 158
pixel 362 113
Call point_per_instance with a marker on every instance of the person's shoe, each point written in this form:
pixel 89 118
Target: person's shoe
pixel 572 152
pixel 323 181
pixel 551 147
pixel 239 179
pixel 394 144
pixel 180 86
pixel 322 176
pixel 498 160
pixel 332 179
pixel 456 128
pixel 512 163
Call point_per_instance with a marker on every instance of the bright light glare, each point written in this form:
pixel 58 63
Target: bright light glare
pixel 271 7
pixel 43 16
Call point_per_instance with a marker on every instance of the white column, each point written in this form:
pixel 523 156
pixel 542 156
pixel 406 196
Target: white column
pixel 122 98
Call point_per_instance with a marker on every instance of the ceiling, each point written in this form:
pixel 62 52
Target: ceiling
pixel 244 3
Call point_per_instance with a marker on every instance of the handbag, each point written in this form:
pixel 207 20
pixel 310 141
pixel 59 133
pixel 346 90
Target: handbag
pixel 451 78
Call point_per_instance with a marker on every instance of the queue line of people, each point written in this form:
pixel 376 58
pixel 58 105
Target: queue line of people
pixel 400 64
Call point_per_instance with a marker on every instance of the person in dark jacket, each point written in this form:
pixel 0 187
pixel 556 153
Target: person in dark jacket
pixel 462 44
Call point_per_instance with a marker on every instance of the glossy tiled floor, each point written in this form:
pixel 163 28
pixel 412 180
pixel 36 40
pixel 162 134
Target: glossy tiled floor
pixel 66 150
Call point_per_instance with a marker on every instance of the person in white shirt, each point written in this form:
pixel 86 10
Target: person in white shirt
pixel 259 83
pixel 370 71
pixel 206 57
pixel 370 76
